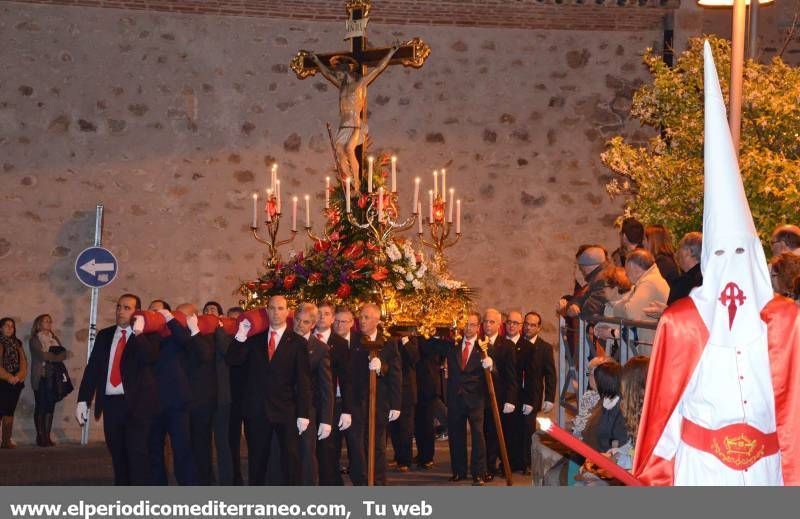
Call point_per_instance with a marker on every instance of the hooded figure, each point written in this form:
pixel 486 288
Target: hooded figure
pixel 722 405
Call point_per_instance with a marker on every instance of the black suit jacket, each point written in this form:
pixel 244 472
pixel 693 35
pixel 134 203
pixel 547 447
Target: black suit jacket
pixel 428 371
pixel 278 389
pixel 390 381
pixel 504 372
pixel 468 383
pixel 201 368
pixel 137 369
pixel 322 389
pixel 683 284
pixel 537 368
pixel 409 357
pixel 341 370
pixel 174 390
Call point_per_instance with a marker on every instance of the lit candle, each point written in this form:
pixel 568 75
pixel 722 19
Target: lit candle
pixel 418 208
pixel 450 205
pixel 347 195
pixel 458 216
pixel 416 195
pixel 394 174
pixel 277 196
pixel 274 176
pixel 308 213
pixel 255 211
pixel 573 443
pixel 327 192
pixel 294 213
pixel 380 203
pixel 435 183
pixel 269 198
pixel 430 205
pixel 370 159
pixel 444 189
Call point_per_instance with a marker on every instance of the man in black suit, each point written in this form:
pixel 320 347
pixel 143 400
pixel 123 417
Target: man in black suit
pixel 202 372
pixel 319 429
pixel 119 378
pixel 329 451
pixel 537 378
pixel 277 398
pixel 466 399
pixel 515 430
pixel 342 325
pixel 429 393
pixel 504 375
pixel 174 396
pixel 237 377
pixel 402 429
pixel 390 379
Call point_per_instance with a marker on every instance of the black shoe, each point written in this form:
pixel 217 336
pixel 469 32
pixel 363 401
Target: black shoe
pixel 403 468
pixel 457 477
pixel 344 470
pixel 477 482
pixel 488 477
pixel 428 465
pixel 526 471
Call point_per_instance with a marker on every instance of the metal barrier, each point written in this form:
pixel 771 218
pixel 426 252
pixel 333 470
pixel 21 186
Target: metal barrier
pixel 577 345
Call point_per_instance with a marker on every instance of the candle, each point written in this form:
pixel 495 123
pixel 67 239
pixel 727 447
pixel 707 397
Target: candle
pixel 274 176
pixel 416 195
pixel 277 196
pixel 435 183
pixel 347 194
pixel 380 203
pixel 444 189
pixel 294 213
pixel 430 205
pixel 269 199
pixel 450 205
pixel 370 159
pixel 308 213
pixel 559 434
pixel 458 216
pixel 419 218
pixel 327 192
pixel 255 211
pixel 394 174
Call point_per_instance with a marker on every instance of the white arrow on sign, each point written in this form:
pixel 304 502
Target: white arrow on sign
pixel 93 267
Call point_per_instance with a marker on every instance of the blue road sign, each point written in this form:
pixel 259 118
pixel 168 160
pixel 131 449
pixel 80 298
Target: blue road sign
pixel 96 267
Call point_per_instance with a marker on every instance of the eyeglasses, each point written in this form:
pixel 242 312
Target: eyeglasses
pixel 515 323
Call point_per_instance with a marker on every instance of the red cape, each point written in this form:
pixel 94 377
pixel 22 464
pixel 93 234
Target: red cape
pixel 678 344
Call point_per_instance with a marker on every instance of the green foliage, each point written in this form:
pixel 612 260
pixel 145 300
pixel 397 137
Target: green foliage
pixel 663 181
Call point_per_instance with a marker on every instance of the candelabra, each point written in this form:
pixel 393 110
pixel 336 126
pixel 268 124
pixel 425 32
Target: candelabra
pixel 270 239
pixel 439 229
pixel 381 215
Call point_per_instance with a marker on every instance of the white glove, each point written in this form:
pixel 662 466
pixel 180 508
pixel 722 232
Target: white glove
pixel 167 314
pixel 547 407
pixel 138 325
pixel 508 408
pixel 191 322
pixel 244 329
pixel 394 414
pixel 82 413
pixel 302 425
pixel 487 363
pixel 527 409
pixel 345 421
pixel 375 365
pixel 323 431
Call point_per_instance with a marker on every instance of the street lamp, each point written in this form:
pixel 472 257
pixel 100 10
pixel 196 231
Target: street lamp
pixel 737 55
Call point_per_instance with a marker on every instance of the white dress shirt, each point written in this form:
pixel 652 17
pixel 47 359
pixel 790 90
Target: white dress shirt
pixel 278 335
pixel 325 335
pixel 118 390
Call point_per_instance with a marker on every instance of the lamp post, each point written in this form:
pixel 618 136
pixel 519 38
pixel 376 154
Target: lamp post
pixel 737 56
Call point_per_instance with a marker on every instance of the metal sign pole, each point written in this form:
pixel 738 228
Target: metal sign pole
pixel 98 239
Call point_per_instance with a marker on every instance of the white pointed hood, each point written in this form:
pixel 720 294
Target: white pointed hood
pixel 736 282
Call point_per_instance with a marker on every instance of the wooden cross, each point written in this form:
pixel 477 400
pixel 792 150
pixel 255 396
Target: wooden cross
pixel 410 54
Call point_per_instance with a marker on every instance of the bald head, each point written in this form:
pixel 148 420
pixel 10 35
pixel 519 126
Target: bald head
pixel 514 323
pixel 278 311
pixel 491 321
pixel 785 238
pixel 187 309
pixel 369 317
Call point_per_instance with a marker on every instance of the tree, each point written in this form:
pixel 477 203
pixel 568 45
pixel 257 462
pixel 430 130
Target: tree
pixel 663 181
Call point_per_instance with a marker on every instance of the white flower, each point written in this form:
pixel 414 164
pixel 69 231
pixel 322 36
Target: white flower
pixel 400 285
pixel 393 252
pixel 422 270
pixel 417 284
pixel 410 277
pixel 399 269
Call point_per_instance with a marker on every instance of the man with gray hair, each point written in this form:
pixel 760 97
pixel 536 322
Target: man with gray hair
pixel 688 256
pixel 786 238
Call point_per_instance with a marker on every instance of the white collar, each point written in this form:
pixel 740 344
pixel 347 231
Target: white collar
pixel 609 403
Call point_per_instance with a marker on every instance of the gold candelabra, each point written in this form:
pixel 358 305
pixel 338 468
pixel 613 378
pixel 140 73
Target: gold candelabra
pixel 381 216
pixel 272 224
pixel 439 229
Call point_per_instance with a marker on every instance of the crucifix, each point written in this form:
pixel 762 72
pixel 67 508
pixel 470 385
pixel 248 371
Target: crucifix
pixel 352 72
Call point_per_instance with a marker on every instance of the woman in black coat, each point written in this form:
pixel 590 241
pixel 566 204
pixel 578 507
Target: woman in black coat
pixel 13 368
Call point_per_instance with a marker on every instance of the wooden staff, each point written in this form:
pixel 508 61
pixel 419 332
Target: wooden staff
pixel 374 348
pixel 501 439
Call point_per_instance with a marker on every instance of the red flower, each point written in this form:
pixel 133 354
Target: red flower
pixel 266 285
pixel 373 248
pixel 354 251
pixel 361 263
pixel 380 274
pixel 354 275
pixel 321 245
pixel 362 201
pixel 251 285
pixel 343 291
pixel 314 278
pixel 335 236
pixel 288 281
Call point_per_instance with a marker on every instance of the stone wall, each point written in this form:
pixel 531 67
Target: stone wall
pixel 170 119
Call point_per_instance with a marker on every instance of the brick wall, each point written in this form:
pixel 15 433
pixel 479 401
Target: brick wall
pixel 592 15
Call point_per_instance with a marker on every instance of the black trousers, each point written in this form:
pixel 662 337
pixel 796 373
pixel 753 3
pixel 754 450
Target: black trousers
pixel 201 424
pixel 492 442
pixel 175 423
pixel 401 432
pixel 424 432
pixel 260 431
pixel 236 420
pixel 126 439
pixel 458 415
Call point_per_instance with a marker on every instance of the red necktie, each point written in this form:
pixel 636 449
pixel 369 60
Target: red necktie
pixel 465 355
pixel 319 336
pixel 116 375
pixel 271 345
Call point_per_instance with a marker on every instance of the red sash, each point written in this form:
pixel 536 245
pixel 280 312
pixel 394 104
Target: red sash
pixel 738 446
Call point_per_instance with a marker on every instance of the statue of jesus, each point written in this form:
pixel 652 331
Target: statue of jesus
pixel 343 73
